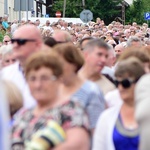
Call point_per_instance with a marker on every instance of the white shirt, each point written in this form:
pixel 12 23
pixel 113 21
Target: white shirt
pixel 14 74
pixel 113 98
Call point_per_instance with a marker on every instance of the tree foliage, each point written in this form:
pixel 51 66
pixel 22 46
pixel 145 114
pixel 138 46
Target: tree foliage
pixel 136 11
pixel 105 9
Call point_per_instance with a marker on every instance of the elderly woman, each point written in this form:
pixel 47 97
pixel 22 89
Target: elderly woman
pixel 7 55
pixel 117 128
pixel 85 92
pixel 43 71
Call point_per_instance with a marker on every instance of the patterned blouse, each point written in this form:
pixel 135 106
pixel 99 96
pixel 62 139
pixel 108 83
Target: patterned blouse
pixel 68 115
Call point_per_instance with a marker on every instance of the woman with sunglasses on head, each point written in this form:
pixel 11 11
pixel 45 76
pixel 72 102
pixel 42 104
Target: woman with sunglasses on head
pixel 117 128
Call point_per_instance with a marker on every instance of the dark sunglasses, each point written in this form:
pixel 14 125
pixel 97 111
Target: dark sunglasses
pixel 126 83
pixel 21 41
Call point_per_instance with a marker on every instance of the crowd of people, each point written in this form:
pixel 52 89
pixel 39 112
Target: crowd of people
pixel 68 86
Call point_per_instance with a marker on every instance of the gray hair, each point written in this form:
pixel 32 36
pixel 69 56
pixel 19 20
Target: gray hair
pixel 6 49
pixel 96 43
pixel 133 39
pixel 111 49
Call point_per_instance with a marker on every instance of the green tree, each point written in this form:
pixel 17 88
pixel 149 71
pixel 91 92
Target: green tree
pixel 135 13
pixel 73 7
pixel 105 9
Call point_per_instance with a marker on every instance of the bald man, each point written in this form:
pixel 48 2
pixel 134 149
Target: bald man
pixel 26 40
pixel 118 50
pixel 62 36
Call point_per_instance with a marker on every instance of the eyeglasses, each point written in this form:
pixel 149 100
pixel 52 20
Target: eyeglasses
pixel 22 41
pixel 43 79
pixel 126 83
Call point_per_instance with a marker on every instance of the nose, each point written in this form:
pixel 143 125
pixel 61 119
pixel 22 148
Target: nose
pixel 37 83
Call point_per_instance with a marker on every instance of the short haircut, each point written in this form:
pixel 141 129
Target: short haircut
pixel 134 52
pixel 71 54
pixel 131 66
pixel 49 41
pixel 46 59
pixel 14 96
pixel 96 43
pixel 85 39
pixel 133 39
pixel 6 49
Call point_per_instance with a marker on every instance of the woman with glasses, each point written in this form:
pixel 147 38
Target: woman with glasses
pixel 117 128
pixel 43 72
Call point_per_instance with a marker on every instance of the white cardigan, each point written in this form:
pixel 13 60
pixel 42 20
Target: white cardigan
pixel 103 136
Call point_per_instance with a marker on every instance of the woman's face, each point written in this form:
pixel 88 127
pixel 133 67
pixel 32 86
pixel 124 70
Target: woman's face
pixel 8 60
pixel 126 87
pixel 43 85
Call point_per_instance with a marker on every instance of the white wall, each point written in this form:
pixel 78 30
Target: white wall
pixel 15 15
pixel 1 8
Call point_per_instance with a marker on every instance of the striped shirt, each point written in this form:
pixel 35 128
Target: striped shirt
pixel 92 100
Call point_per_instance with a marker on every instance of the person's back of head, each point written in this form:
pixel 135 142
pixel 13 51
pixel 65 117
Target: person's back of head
pixel 62 36
pixel 84 41
pixel 49 41
pixel 14 96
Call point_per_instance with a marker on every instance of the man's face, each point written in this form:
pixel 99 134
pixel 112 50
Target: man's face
pixel 22 51
pixel 118 51
pixel 96 59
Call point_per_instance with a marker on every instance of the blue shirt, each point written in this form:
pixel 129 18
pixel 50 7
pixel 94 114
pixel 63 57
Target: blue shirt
pixel 125 139
pixel 5 24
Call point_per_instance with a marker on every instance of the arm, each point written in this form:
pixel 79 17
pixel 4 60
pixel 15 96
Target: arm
pixel 77 139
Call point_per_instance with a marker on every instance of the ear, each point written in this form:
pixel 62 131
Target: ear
pixel 85 54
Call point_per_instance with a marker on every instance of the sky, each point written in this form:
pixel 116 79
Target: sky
pixel 129 1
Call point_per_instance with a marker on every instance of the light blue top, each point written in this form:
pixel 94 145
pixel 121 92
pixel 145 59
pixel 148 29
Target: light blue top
pixel 5 24
pixel 92 100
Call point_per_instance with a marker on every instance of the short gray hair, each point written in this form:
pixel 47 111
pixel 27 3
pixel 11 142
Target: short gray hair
pixel 133 39
pixel 96 43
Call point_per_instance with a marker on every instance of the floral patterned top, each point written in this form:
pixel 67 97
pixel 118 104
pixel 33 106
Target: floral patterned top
pixel 67 115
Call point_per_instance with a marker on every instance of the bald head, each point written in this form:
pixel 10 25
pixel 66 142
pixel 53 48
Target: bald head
pixel 29 31
pixel 118 50
pixel 62 36
pixel 26 40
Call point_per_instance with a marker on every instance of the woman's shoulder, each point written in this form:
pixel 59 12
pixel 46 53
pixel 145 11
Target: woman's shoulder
pixel 22 113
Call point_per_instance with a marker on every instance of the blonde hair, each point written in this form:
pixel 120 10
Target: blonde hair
pixel 13 96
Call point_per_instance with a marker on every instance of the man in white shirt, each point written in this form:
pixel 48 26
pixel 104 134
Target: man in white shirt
pixel 26 40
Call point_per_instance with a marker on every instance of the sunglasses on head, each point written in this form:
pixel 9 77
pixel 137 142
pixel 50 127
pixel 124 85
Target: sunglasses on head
pixel 22 41
pixel 126 83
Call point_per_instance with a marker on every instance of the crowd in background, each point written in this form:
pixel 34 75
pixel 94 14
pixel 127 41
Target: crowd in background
pixel 75 86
